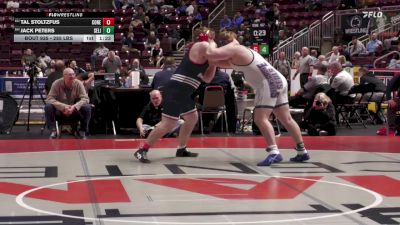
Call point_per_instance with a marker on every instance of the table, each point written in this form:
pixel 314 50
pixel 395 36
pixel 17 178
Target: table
pixel 121 105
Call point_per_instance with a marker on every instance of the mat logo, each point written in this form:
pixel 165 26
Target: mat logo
pixel 372 14
pixel 77 192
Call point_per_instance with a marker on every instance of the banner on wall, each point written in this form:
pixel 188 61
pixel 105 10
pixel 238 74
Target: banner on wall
pixel 355 25
pixel 16 86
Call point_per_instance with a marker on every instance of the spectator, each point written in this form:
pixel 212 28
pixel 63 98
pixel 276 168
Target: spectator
pixel 341 82
pixel 135 66
pixel 394 62
pixel 357 48
pixel 67 98
pixel 156 53
pixel 99 53
pixel 86 79
pixel 57 74
pixel 305 69
pixel 140 14
pixel 320 118
pixel 379 50
pixel 44 59
pixel 321 58
pixel 375 89
pixel 281 36
pixel 162 77
pixel 296 60
pixel 345 51
pixel 166 44
pixel 181 10
pixel 112 63
pixel 76 68
pixel 226 23
pixel 28 58
pixel 117 4
pixel 151 116
pixel 314 56
pixel 50 68
pixel 128 43
pixel 197 17
pixel 88 67
pixel 248 39
pixel 334 55
pixel 12 4
pixel 152 8
pixel 272 16
pixel 151 40
pixel 283 66
pixel 237 20
pixel 136 23
pixel 306 94
pixel 343 62
pixel 174 35
pixel 372 44
pixel 190 8
pixel 392 41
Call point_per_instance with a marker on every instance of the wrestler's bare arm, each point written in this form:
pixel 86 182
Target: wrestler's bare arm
pixel 225 64
pixel 222 53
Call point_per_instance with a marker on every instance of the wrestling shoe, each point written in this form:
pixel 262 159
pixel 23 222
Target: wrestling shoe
pixel 300 158
pixel 141 155
pixel 271 158
pixel 183 152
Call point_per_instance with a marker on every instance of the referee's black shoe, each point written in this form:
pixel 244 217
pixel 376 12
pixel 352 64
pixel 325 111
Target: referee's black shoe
pixel 183 152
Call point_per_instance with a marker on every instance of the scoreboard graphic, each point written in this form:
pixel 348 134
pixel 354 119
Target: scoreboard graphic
pixel 64 27
pixel 260 38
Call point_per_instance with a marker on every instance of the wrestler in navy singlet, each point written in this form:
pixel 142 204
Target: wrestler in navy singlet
pixel 177 93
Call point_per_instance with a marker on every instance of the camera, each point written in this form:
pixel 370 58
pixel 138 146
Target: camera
pixel 33 70
pixel 318 103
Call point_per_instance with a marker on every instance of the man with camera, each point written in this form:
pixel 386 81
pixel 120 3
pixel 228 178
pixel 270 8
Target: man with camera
pixel 67 99
pixel 320 120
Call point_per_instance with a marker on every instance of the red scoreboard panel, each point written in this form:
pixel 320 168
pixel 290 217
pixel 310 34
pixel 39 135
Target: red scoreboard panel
pixel 64 27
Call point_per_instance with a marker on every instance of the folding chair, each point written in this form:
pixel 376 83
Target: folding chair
pixel 214 102
pixel 72 121
pixel 246 122
pixel 347 111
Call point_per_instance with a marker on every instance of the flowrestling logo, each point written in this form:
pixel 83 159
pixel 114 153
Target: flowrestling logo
pixel 372 14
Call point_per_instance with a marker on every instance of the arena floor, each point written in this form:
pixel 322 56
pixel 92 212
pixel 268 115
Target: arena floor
pixel 349 180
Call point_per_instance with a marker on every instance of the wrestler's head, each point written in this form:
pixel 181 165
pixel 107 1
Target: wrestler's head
pixel 203 34
pixel 226 37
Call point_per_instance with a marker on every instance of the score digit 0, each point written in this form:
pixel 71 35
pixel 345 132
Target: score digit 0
pixel 108 21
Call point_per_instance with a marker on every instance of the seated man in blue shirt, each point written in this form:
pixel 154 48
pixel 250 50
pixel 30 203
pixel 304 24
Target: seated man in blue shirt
pixel 163 76
pixel 151 116
pixel 372 44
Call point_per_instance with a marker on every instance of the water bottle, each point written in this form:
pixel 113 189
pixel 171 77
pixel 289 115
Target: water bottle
pixel 7 73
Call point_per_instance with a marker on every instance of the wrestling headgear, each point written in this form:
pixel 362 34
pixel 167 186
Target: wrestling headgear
pixel 203 36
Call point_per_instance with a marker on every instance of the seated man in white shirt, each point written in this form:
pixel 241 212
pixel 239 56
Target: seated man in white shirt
pixel 341 83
